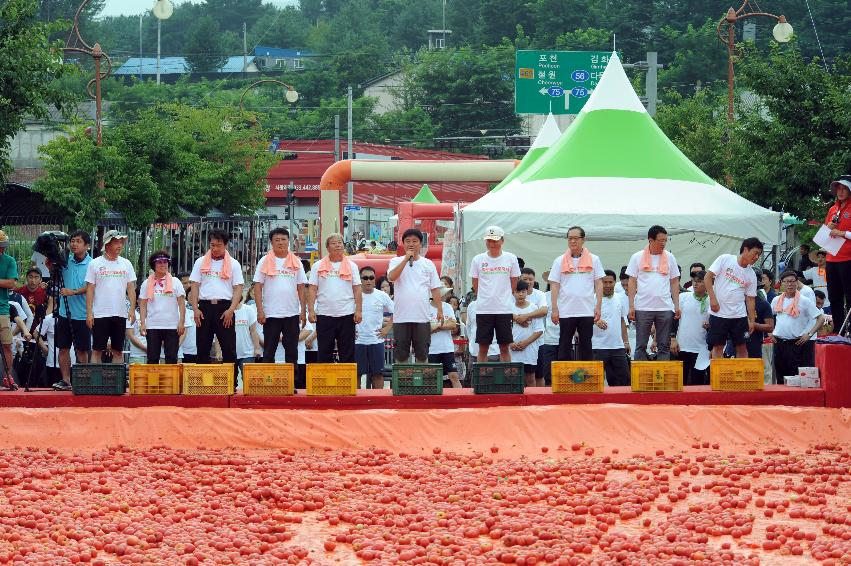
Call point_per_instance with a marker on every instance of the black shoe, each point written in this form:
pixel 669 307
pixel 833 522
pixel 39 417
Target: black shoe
pixel 62 386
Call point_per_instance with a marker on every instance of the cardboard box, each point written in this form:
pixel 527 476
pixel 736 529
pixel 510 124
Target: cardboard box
pixel 792 381
pixel 809 377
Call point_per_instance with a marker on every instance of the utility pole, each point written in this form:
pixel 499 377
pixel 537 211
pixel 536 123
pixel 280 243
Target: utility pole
pixel 350 148
pixel 141 78
pixel 244 50
pixel 336 138
pixel 651 66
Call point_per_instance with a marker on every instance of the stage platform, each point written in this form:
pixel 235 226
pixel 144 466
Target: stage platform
pixel 451 399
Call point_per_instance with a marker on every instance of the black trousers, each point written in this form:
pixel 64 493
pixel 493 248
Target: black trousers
pixel 211 326
pixel 159 339
pixel 692 376
pixel 567 328
pixel 339 330
pixel 838 290
pixel 788 357
pixel 286 330
pixel 615 366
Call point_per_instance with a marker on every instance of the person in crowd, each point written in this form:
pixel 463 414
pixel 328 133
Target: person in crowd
pixel 654 294
pixel 188 351
pixel 763 323
pixel 138 343
pixel 248 341
pixel 492 351
pixel 818 275
pixel 548 349
pixel 71 327
pixel 216 292
pixel 689 342
pixel 110 284
pixel 624 279
pixel 525 346
pixel 372 330
pixel 414 278
pixel 441 350
pixel 797 320
pixel 805 289
pixel 448 286
pixel 34 292
pixel 306 346
pixel 800 260
pixel 767 283
pixel 455 304
pixel 162 306
pixel 694 268
pixel 47 344
pixel 334 302
pixel 821 299
pixel 610 343
pixel 385 285
pixel 537 298
pixel 8 280
pixel 279 293
pixel 576 280
pixel 495 274
pixel 732 284
pixel 838 269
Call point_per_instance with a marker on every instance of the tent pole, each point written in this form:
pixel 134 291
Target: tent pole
pixel 779 241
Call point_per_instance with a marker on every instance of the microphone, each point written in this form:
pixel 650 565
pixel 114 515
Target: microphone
pixel 410 262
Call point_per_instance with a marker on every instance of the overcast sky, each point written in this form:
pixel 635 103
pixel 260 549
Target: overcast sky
pixel 135 7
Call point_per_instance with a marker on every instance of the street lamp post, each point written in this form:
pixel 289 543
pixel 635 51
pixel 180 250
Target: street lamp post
pixel 162 10
pixel 782 33
pixel 291 95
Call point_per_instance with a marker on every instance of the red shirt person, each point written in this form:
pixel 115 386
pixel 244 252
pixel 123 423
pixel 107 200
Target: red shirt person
pixel 838 272
pixel 33 292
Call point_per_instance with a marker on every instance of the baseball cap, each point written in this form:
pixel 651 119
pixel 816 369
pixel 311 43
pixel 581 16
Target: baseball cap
pixel 4 239
pixel 494 233
pixel 842 180
pixel 113 235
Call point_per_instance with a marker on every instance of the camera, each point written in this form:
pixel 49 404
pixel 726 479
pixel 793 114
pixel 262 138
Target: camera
pixel 54 246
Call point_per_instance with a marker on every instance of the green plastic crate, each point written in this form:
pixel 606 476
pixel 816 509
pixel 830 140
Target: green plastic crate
pixel 417 379
pixel 498 377
pixel 99 379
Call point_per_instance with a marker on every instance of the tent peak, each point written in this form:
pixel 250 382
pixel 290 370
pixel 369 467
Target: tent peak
pixel 614 91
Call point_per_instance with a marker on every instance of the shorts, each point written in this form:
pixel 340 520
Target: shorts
pixel 370 358
pixel 487 324
pixel 720 329
pixel 5 330
pixel 447 359
pixel 529 368
pixel 109 328
pixel 78 330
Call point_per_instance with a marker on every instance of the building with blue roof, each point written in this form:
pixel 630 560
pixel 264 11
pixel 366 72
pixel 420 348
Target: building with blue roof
pixel 274 58
pixel 172 68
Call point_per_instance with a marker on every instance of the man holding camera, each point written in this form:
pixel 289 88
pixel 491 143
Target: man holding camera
pixel 8 280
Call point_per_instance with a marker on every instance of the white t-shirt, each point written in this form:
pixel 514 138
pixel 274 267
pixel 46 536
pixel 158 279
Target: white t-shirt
pixel 807 291
pixel 472 346
pixel 495 295
pixel 373 307
pixel 788 327
pixel 613 311
pixel 110 279
pixel 529 355
pixel 819 282
pixel 576 296
pixel 537 298
pixel 314 346
pixel 188 347
pixel 732 284
pixel 48 331
pixel 280 291
pixel 301 346
pixel 211 285
pixel 135 351
pixel 334 296
pixel 441 341
pixel 552 332
pixel 653 289
pixel 412 289
pixel 162 310
pixel 244 319
pixel 691 335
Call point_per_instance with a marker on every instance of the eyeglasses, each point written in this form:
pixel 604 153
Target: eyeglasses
pixel 367 277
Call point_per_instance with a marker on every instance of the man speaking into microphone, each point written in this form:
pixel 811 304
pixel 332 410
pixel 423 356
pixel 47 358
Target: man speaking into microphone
pixel 413 277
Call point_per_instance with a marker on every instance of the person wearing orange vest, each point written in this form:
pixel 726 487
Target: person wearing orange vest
pixel 838 271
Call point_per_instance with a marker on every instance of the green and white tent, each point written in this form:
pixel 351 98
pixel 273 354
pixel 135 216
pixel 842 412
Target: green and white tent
pixel 547 136
pixel 615 173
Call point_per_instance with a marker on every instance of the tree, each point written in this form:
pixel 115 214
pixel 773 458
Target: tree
pixel 29 63
pixel 204 49
pixel 698 57
pixel 590 39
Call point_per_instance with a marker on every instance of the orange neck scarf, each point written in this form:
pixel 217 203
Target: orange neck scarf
pixel 792 309
pixel 268 267
pixel 208 261
pixel 647 262
pixel 586 263
pixel 152 281
pixel 345 268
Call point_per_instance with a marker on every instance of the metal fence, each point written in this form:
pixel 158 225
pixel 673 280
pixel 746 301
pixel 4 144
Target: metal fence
pixel 185 239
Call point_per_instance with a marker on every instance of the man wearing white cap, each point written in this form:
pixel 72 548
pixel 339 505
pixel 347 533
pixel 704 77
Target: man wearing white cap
pixel 495 274
pixel 8 280
pixel 838 272
pixel 110 284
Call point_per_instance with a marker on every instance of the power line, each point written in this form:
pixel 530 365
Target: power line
pixel 824 61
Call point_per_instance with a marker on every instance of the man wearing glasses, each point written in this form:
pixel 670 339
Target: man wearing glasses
pixel 372 329
pixel 798 319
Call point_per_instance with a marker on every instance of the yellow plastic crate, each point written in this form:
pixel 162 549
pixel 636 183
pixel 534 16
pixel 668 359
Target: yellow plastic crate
pixel 332 379
pixel 657 376
pixel 736 374
pixel 578 377
pixel 208 379
pixel 271 380
pixel 155 379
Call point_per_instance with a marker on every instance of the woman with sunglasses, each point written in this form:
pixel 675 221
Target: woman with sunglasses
pixel 162 309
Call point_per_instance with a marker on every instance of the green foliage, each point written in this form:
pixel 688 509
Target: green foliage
pixel 698 57
pixel 204 48
pixel 591 39
pixel 29 63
